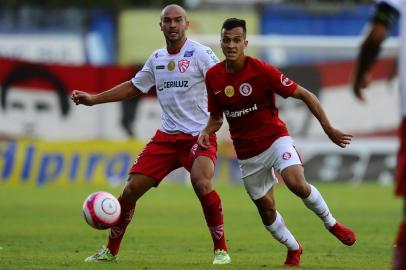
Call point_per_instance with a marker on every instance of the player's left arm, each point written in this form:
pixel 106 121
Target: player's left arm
pixel 312 102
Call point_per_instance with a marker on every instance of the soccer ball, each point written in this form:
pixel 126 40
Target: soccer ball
pixel 101 210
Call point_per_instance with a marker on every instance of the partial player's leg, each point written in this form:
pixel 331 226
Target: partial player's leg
pixel 201 175
pixel 258 182
pixel 136 186
pixel 399 258
pixel 295 181
pixel 274 223
pixel 287 162
pixel 156 160
pixel 200 163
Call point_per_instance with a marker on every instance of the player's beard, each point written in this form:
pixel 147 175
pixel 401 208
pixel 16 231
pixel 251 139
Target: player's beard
pixel 170 41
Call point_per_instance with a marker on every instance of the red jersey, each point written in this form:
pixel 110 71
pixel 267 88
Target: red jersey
pixel 247 99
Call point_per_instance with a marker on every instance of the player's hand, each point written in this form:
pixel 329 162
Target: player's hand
pixel 204 140
pixel 80 97
pixel 338 137
pixel 359 85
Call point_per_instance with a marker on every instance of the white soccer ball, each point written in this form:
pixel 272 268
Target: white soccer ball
pixel 101 210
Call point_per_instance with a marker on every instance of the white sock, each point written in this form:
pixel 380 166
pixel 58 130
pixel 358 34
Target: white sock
pixel 281 233
pixel 316 203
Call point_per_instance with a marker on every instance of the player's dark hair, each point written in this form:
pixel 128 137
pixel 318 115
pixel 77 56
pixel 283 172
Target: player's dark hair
pixel 231 23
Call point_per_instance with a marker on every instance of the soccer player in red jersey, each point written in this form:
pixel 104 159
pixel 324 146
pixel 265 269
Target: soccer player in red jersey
pixel 243 88
pixel 177 71
pixel 387 14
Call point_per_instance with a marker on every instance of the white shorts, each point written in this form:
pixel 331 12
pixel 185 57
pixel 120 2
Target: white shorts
pixel 258 171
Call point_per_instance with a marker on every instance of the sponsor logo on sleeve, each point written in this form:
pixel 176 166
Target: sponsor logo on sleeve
pixel 188 53
pixel 229 91
pixel 286 155
pixel 213 57
pixel 245 89
pixel 183 65
pixel 286 81
pixel 160 67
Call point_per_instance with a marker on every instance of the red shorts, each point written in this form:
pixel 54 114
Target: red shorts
pixel 400 187
pixel 167 152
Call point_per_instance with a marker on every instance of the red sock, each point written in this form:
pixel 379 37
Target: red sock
pixel 213 212
pixel 118 230
pixel 399 260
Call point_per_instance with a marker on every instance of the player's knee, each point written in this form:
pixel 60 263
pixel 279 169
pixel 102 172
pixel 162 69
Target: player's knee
pixel 266 204
pixel 129 194
pixel 126 196
pixel 269 210
pixel 300 188
pixel 202 186
pixel 134 189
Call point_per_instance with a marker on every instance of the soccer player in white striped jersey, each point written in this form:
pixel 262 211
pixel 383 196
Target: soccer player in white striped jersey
pixel 387 14
pixel 177 72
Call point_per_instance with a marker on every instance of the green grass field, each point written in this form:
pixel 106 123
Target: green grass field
pixel 43 228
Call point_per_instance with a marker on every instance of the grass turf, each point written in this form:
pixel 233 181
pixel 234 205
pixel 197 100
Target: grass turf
pixel 43 228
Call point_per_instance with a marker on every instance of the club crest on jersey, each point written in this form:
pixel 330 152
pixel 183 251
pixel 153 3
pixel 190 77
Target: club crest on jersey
pixel 286 155
pixel 171 65
pixel 245 89
pixel 286 81
pixel 229 91
pixel 183 65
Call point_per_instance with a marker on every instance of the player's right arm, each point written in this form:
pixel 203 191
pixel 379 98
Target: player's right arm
pixel 384 18
pixel 213 125
pixel 120 92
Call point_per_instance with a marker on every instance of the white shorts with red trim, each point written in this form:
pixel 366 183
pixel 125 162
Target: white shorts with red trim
pixel 258 171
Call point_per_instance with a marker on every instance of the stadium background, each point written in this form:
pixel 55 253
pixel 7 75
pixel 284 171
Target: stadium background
pixel 53 154
pixel 48 50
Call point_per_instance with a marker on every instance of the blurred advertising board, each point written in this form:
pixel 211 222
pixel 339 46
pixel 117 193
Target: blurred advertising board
pixel 140 27
pixel 106 162
pixel 98 162
pixel 50 48
pixel 64 162
pixel 35 100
